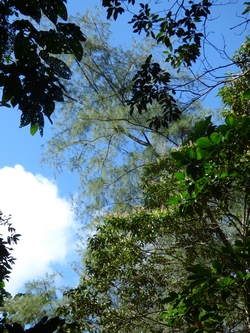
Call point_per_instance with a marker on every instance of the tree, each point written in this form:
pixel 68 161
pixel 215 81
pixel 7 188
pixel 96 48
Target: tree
pixel 183 30
pixel 30 74
pixel 96 135
pixel 181 262
pixel 52 325
pixel 192 252
pixel 39 299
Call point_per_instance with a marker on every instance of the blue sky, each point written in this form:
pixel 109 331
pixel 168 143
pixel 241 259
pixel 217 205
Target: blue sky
pixel 37 197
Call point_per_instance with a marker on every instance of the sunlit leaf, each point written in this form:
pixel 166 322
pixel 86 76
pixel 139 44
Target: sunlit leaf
pixel 204 142
pixel 34 129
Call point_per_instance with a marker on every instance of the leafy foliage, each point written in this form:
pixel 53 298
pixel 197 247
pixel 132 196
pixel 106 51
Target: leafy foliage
pixel 180 21
pixel 52 325
pixel 97 136
pixel 6 259
pixel 30 74
pixel 150 84
pixel 182 261
pixel 182 29
pixel 39 299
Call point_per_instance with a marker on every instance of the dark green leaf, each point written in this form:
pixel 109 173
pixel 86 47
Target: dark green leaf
pixel 58 66
pixel 49 11
pixel 229 120
pixel 200 153
pixel 22 45
pixel 77 49
pixel 29 8
pixel 178 156
pixel 217 265
pixel 190 153
pixel 246 94
pixel 61 10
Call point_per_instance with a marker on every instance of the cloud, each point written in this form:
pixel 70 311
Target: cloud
pixel 44 220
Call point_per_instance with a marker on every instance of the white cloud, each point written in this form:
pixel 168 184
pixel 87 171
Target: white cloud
pixel 44 220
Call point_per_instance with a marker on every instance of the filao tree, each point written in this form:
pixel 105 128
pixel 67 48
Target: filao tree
pixel 123 113
pixel 96 135
pixel 38 299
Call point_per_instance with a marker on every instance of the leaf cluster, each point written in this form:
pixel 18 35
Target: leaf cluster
pixel 30 73
pixel 150 84
pixel 6 259
pixel 180 21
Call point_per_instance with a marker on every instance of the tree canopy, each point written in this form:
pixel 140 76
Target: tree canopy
pixel 95 134
pixel 184 29
pixel 180 261
pixel 39 298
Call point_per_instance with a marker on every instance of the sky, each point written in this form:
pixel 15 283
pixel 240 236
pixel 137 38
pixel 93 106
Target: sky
pixel 38 198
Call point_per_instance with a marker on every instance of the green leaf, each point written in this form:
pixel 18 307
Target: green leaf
pixel 200 153
pixel 179 176
pixel 173 201
pixel 34 129
pixel 246 10
pixel 178 156
pixel 203 142
pixel 216 138
pixel 190 153
pixel 239 275
pixel 229 120
pixel 165 314
pixel 217 265
pixel 246 94
pixel 226 282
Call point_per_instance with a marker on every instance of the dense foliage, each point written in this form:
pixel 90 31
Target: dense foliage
pixel 178 261
pixel 181 262
pixel 190 251
pixel 30 73
pixel 6 259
